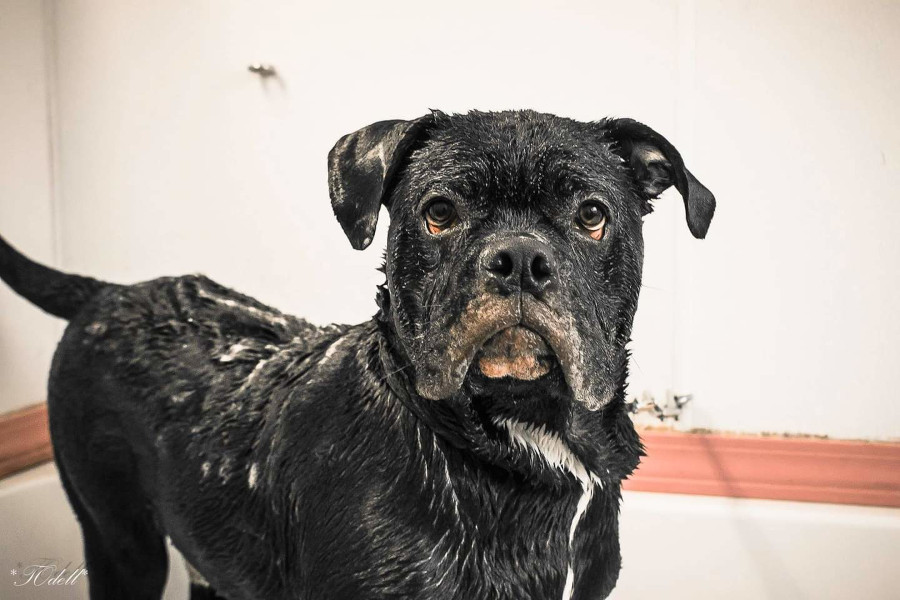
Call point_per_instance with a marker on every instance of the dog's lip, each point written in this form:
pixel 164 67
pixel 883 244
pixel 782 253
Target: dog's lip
pixel 520 325
pixel 516 352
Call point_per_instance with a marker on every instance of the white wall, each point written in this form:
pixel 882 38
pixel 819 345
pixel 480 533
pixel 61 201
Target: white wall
pixel 27 336
pixel 794 323
pixel 173 158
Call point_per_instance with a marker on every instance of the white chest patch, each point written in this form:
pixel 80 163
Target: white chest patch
pixel 194 575
pixel 554 450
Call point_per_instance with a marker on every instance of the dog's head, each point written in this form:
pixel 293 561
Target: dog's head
pixel 515 247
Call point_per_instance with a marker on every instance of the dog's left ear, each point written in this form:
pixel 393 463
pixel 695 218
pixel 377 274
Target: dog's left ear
pixel 361 168
pixel 657 165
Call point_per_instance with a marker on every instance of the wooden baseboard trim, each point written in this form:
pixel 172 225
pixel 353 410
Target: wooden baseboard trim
pixel 774 468
pixel 24 439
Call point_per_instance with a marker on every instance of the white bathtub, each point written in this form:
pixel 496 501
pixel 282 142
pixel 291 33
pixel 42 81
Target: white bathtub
pixel 673 547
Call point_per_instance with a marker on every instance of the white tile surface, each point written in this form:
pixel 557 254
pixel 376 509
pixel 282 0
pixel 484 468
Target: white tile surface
pixel 674 547
pixel 37 524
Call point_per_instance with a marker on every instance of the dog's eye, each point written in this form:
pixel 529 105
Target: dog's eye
pixel 592 218
pixel 440 215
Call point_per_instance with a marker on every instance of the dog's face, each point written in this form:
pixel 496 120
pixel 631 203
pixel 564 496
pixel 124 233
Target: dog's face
pixel 515 248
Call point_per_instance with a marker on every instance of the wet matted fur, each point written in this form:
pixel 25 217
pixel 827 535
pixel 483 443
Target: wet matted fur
pixel 468 442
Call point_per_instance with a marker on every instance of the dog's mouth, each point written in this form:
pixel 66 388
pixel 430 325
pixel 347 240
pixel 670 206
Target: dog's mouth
pixel 517 353
pixel 509 340
pixel 516 374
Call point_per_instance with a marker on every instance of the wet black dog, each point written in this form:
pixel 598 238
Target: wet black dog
pixel 468 442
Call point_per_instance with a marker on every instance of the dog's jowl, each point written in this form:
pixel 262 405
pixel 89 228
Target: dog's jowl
pixel 468 442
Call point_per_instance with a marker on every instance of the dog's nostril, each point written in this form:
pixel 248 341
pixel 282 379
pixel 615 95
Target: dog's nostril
pixel 541 269
pixel 501 264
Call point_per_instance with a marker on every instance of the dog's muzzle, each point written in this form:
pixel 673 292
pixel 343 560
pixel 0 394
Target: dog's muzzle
pixel 509 329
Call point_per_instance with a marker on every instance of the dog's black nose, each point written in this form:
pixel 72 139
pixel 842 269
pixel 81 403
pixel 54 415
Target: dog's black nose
pixel 520 263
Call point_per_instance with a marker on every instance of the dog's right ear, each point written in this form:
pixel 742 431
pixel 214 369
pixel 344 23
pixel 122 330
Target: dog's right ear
pixel 361 168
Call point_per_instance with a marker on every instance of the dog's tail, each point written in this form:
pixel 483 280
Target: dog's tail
pixel 58 293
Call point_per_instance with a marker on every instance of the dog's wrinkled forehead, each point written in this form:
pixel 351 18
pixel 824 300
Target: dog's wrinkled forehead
pixel 515 161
